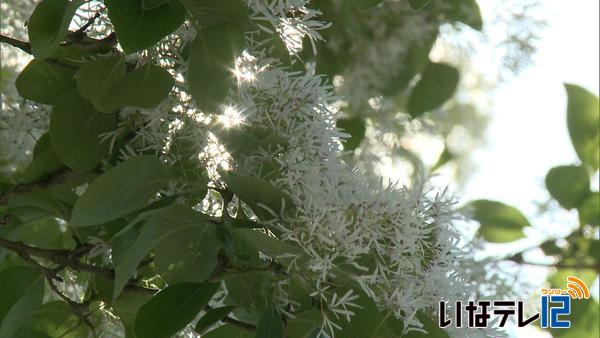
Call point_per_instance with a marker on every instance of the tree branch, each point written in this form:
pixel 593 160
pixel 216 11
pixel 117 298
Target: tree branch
pixel 22 45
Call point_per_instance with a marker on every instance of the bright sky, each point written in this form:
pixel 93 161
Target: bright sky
pixel 528 134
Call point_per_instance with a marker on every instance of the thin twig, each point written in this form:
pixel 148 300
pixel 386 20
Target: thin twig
pixel 22 45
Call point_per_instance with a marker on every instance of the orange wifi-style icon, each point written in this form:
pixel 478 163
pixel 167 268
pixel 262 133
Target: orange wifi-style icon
pixel 577 288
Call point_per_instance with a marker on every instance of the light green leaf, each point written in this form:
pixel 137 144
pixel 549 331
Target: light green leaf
pixel 138 29
pixel 569 185
pixel 364 5
pixel 212 317
pixel 145 87
pixel 260 195
pixel 368 321
pixel 432 328
pixel 157 225
pixel 270 324
pixel 583 121
pixel 190 255
pixel 170 310
pixel 589 210
pixel 356 127
pixel 500 223
pixel 437 84
pixel 229 331
pixel 126 306
pixel 125 188
pixel 75 129
pixel 43 82
pixel 49 24
pixel 96 78
pixel 212 57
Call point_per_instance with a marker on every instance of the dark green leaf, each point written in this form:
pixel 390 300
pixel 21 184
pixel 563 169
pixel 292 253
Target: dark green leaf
pixel 45 161
pixel 127 306
pixel 304 323
pixel 170 310
pixel 149 5
pixel 229 331
pixel 49 24
pixel 96 78
pixel 189 255
pixel 211 12
pixel 212 57
pixel 364 5
pixel 356 127
pixel 569 185
pixel 145 87
pixel 583 121
pixel 589 210
pixel 500 223
pixel 123 189
pixel 21 291
pixel 75 130
pixel 54 319
pixel 437 84
pixel 42 81
pixel 139 29
pixel 270 324
pixel 157 225
pixel 368 321
pixel 212 317
pixel 258 194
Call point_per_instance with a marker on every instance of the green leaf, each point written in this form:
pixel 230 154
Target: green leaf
pixel 149 5
pixel 37 204
pixel 569 185
pixel 123 189
pixel 189 255
pixel 49 24
pixel 418 4
pixel 126 306
pixel 212 12
pixel 212 57
pixel 170 310
pixel 250 291
pixel 364 5
pixel 45 161
pixel 138 29
pixel 158 225
pixel 21 291
pixel 229 331
pixel 270 246
pixel 96 78
pixel 500 223
pixel 437 84
pixel 368 321
pixel 356 127
pixel 145 87
pixel 465 11
pixel 304 323
pixel 270 324
pixel 589 210
pixel 258 194
pixel 43 82
pixel 75 130
pixel 212 317
pixel 432 328
pixel 583 121
pixel 55 319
